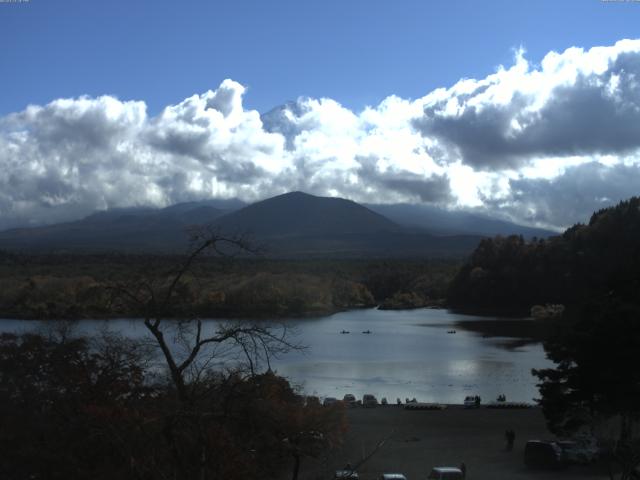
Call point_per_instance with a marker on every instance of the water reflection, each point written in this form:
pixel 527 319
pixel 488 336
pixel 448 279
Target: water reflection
pixel 401 358
pixel 407 354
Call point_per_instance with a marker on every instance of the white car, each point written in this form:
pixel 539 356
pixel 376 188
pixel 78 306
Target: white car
pixel 446 473
pixel 392 476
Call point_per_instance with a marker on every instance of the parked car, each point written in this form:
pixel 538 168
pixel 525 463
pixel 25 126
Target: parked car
pixel 583 449
pixel 346 475
pixel 543 454
pixel 329 401
pixel 350 400
pixel 470 402
pixel 392 476
pixel 369 401
pixel 445 473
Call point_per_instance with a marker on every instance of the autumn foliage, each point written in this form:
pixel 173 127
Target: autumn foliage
pixel 75 408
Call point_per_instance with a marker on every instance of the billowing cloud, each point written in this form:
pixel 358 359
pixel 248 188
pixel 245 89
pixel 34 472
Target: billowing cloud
pixel 540 144
pixel 575 103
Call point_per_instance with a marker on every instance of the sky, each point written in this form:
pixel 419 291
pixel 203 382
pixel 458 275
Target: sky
pixel 527 111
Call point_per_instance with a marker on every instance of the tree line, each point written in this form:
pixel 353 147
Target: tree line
pixel 76 286
pixel 594 270
pixel 510 275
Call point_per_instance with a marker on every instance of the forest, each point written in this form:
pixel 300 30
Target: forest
pixel 78 286
pixel 593 271
pixel 508 275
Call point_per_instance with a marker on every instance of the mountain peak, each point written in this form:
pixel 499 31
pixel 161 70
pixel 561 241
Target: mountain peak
pixel 301 214
pixel 294 194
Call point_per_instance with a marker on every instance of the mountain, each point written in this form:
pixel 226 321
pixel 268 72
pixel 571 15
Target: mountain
pixel 290 225
pixel 297 224
pixel 299 214
pixel 445 222
pixel 130 230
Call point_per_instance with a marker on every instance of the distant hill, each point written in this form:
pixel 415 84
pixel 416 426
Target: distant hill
pixel 290 225
pixel 130 230
pixel 445 222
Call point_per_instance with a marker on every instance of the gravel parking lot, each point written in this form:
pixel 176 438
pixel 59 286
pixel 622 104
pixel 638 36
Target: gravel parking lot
pixel 416 441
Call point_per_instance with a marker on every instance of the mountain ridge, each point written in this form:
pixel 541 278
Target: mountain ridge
pixel 301 214
pixel 292 224
pixel 447 222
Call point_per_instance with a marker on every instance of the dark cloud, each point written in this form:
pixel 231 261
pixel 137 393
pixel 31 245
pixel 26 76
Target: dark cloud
pixel 434 189
pixel 478 136
pixel 570 197
pixel 180 141
pixel 585 119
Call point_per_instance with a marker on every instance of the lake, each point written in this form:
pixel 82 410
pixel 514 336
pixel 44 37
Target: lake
pixel 407 354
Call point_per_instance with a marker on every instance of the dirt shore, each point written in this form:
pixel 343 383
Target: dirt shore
pixel 416 441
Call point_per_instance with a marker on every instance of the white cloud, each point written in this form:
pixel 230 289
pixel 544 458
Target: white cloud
pixel 576 103
pixel 498 142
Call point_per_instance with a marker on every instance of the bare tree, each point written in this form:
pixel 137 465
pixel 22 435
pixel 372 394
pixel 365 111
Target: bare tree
pixel 157 295
pixel 189 346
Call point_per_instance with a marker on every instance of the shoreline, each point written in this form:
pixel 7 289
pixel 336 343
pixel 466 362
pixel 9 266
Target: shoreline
pixel 483 316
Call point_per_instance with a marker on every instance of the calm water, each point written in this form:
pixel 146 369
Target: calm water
pixel 408 354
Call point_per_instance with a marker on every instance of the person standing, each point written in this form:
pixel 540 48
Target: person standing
pixel 511 438
pixel 463 469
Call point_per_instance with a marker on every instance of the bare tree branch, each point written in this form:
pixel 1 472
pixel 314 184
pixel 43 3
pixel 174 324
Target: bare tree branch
pixel 156 295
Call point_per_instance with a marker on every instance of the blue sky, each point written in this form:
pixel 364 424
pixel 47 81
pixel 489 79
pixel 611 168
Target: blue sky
pixel 528 111
pixel 356 52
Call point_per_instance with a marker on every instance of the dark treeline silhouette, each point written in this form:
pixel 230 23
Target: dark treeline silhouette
pixel 509 274
pixel 594 270
pixel 595 385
